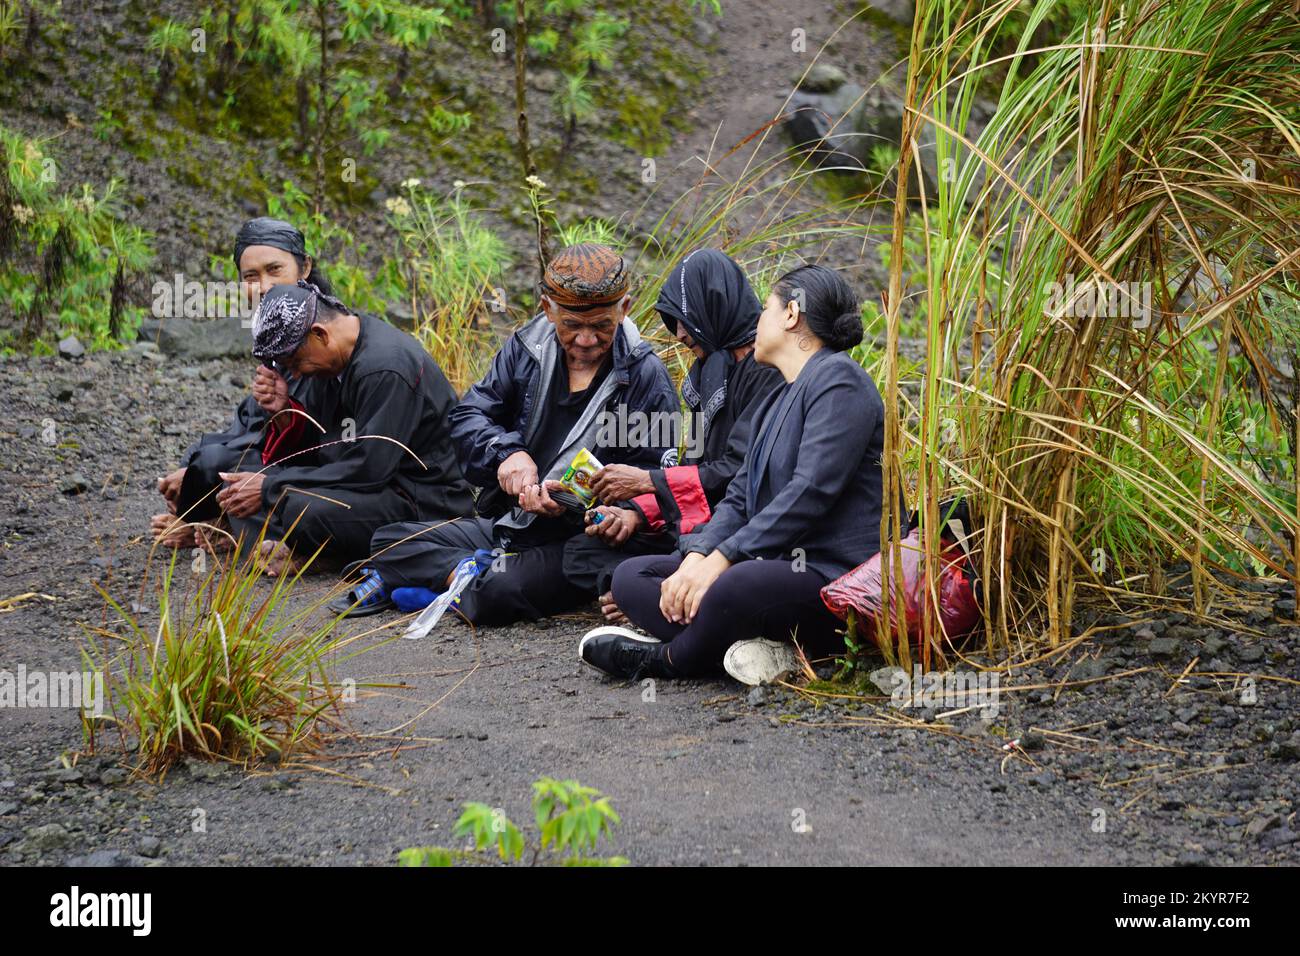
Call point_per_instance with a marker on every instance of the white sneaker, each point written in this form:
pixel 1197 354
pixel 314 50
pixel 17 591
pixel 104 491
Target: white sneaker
pixel 760 661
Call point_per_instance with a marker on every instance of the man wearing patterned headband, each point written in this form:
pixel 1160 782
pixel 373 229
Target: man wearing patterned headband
pixel 372 447
pixel 516 431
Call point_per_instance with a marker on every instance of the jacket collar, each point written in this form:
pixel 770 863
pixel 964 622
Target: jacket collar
pixel 540 342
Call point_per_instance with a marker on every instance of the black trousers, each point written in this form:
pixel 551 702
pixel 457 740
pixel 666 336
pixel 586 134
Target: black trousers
pixel 750 599
pixel 197 500
pixel 525 581
pixel 339 521
pixel 589 562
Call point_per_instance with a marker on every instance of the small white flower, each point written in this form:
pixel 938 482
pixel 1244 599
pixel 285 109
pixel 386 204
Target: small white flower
pixel 410 183
pixel 535 182
pixel 398 206
pixel 458 184
pixel 23 214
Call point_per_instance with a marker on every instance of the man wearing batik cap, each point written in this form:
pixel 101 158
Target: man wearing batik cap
pixel 373 446
pixel 516 432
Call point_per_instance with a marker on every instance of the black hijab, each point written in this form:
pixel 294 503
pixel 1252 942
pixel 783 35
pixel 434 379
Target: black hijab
pixel 709 294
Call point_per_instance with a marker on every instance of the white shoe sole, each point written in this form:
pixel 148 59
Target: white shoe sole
pixel 614 629
pixel 760 661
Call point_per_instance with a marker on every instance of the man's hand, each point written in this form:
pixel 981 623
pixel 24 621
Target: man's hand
pixel 270 390
pixel 617 525
pixel 242 495
pixel 537 499
pixel 516 473
pixel 682 591
pixel 621 483
pixel 169 486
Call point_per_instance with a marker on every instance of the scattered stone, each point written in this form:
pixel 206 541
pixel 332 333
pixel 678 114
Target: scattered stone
pixel 1262 824
pixel 1250 654
pixel 1182 728
pixel 71 348
pixel 74 484
pixel 1192 858
pixel 1044 779
pixel 101 858
pixel 1282 836
pixel 61 391
pixel 758 696
pixel 52 836
pixel 7 808
pixel 888 679
pixel 150 846
pixel 1164 647
pixel 114 776
pixel 822 78
pixel 1214 644
pixel 1032 740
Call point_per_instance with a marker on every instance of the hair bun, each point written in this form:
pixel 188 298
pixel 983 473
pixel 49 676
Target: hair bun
pixel 847 331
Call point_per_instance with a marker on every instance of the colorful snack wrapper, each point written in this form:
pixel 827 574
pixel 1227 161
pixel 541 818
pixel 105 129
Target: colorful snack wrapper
pixel 577 481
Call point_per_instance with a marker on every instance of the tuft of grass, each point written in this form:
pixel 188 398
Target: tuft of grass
pixel 231 672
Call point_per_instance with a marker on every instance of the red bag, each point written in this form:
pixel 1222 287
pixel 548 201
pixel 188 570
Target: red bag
pixel 859 589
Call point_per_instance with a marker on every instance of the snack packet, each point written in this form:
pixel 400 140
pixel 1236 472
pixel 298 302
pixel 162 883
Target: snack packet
pixel 578 494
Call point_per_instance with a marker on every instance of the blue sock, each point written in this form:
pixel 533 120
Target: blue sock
pixel 413 599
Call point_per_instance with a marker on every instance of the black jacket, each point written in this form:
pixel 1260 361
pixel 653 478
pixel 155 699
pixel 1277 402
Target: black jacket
pixel 499 414
pixel 810 487
pixel 390 388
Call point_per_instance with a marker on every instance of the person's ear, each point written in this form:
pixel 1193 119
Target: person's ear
pixel 549 309
pixel 321 333
pixel 625 307
pixel 791 315
pixel 308 262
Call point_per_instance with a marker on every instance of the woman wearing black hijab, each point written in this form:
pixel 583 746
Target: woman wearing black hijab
pixel 803 509
pixel 268 252
pixel 707 303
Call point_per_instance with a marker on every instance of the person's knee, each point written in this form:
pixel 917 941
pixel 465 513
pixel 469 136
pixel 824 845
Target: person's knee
pixel 209 463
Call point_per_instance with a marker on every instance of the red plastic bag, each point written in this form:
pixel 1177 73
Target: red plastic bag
pixel 859 589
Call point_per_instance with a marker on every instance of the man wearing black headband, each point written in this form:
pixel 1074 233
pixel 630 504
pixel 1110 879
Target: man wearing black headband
pixel 268 252
pixel 373 446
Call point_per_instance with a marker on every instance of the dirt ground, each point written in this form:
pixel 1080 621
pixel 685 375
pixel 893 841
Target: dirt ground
pixel 1119 770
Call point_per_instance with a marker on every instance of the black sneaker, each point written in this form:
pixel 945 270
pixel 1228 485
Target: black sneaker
pixel 623 653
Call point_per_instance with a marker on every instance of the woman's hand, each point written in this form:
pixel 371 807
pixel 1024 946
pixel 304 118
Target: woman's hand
pixel 682 591
pixel 242 495
pixel 537 499
pixel 621 483
pixel 616 525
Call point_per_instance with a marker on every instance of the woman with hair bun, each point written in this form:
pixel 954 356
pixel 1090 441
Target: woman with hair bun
pixel 803 509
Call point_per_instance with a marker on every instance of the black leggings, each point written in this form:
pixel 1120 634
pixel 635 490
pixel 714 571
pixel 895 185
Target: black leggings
pixel 750 599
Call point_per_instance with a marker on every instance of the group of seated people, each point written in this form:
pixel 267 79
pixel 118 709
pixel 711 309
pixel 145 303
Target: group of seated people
pixel 353 448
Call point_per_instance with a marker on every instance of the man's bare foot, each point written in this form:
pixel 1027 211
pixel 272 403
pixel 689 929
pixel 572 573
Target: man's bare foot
pixel 171 532
pixel 611 610
pixel 277 559
pixel 213 539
